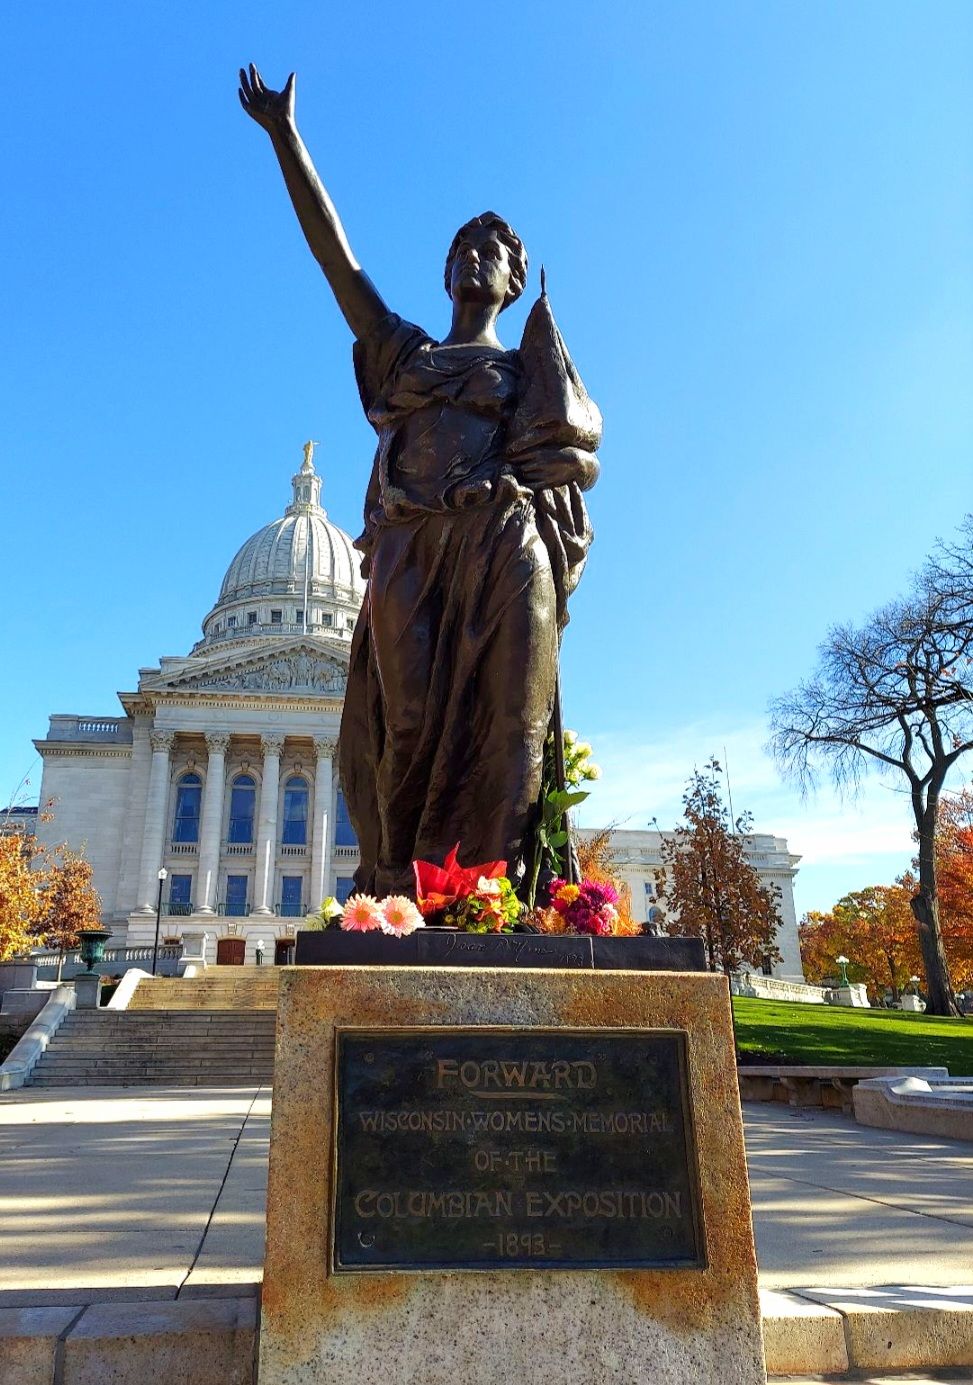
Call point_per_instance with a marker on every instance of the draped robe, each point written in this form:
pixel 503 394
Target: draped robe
pixel 475 535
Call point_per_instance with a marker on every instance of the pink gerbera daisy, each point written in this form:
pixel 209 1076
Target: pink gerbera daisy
pixel 361 914
pixel 400 916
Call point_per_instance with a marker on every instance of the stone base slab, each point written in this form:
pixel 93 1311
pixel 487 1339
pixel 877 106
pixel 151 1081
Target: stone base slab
pixel 433 1328
pixel 217 1334
pixel 801 1336
pixel 903 1327
pixel 208 1342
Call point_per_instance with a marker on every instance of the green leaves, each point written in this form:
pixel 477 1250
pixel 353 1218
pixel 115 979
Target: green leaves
pixel 551 834
pixel 557 804
pixel 552 831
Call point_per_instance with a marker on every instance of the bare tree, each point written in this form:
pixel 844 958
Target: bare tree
pixel 893 695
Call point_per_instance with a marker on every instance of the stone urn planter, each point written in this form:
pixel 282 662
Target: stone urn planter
pixel 92 946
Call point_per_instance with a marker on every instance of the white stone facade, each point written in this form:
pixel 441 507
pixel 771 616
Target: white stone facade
pixel 638 859
pixel 222 768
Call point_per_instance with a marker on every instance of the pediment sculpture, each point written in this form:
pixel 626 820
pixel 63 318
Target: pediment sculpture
pixel 299 670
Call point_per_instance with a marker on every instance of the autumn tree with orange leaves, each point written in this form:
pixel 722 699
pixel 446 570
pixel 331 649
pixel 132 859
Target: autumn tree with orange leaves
pixel 19 898
pixel 69 903
pixel 875 929
pixel 954 860
pixel 709 889
pixel 46 894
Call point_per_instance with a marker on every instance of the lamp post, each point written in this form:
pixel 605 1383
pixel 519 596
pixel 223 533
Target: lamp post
pixel 842 963
pixel 259 951
pixel 158 915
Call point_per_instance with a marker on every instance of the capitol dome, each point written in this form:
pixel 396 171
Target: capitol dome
pixel 297 575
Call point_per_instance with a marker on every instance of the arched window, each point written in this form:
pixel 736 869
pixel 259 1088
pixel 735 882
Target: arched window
pixel 344 833
pixel 294 830
pixel 243 797
pixel 185 826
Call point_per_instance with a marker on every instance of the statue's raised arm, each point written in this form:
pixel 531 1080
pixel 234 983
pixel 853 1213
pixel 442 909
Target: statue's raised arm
pixel 358 298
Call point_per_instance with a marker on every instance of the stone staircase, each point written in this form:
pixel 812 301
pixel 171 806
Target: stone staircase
pixel 178 1048
pixel 215 1030
pixel 218 988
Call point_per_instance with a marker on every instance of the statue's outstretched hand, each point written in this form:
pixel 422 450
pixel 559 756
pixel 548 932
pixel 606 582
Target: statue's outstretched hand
pixel 274 110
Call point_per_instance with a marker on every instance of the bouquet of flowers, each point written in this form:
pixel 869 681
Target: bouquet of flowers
pixel 492 907
pixel 396 915
pixel 438 887
pixel 476 899
pixel 589 907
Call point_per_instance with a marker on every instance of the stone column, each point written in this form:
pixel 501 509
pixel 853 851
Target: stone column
pixel 212 822
pixel 128 895
pixel 263 892
pixel 322 834
pixel 154 831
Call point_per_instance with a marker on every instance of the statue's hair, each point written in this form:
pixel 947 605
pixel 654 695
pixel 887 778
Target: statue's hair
pixel 508 237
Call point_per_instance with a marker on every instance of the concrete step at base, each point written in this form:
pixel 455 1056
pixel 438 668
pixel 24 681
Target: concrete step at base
pixel 162 1053
pixel 159 1034
pixel 265 1052
pixel 180 1019
pixel 67 1067
pixel 158 1076
pixel 181 1080
pixel 86 1070
pixel 258 1021
pixel 162 1043
pixel 185 1021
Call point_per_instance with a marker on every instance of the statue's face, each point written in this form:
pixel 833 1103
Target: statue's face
pixel 481 269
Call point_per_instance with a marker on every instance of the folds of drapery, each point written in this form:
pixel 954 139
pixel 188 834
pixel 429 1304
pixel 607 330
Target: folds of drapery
pixel 454 657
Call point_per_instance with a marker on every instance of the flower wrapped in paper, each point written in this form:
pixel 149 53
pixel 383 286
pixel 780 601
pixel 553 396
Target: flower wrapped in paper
pixel 439 886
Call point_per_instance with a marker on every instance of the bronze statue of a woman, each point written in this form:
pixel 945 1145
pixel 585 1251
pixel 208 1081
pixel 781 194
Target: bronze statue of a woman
pixel 475 535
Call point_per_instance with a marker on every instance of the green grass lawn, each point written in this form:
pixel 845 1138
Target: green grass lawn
pixel 826 1034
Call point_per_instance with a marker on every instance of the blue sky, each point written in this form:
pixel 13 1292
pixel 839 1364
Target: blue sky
pixel 757 221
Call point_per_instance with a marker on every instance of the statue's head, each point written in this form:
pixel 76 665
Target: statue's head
pixel 487 262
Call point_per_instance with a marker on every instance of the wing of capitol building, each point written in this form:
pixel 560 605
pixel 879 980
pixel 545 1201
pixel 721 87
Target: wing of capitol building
pixel 221 770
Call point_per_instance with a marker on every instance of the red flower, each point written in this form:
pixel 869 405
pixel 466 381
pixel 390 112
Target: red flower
pixel 439 886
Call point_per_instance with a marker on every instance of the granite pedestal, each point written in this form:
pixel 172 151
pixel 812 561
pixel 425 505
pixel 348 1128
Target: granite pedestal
pixel 330 1316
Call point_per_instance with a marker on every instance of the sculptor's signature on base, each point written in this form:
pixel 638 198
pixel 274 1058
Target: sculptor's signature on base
pixel 518 947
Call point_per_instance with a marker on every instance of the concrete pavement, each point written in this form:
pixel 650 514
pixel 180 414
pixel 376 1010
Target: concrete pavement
pixel 837 1204
pixel 131 1193
pixel 153 1193
pixel 157 1195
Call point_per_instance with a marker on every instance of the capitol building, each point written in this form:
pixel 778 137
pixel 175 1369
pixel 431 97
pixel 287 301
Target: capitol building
pixel 221 770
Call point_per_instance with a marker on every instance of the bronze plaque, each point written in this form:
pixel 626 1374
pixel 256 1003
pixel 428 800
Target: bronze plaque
pixel 475 1149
